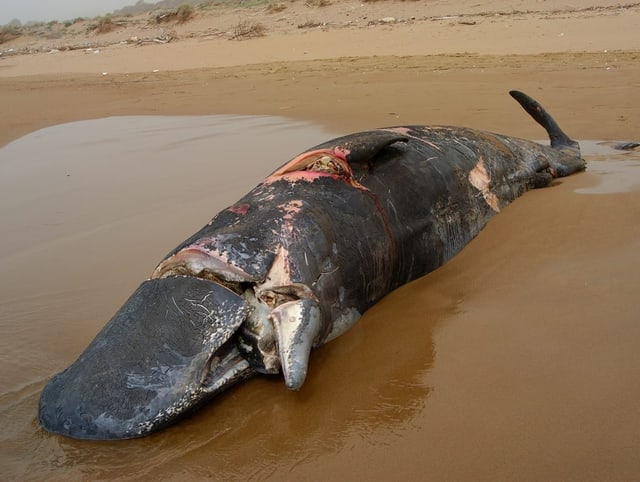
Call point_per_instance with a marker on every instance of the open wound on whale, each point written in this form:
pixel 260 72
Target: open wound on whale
pixel 284 319
pixel 317 163
pixel 479 178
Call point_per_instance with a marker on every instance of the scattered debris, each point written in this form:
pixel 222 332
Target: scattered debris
pixel 627 146
pixel 165 37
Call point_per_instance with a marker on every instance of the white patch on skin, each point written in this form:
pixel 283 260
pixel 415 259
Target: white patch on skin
pixel 290 210
pixel 278 280
pixel 479 178
pixel 279 272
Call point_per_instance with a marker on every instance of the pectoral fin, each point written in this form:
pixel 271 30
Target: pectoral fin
pixel 297 324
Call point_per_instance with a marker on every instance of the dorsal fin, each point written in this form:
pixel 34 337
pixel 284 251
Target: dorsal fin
pixel 364 146
pixel 557 137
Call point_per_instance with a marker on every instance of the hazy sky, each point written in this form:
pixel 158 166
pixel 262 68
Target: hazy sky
pixel 45 10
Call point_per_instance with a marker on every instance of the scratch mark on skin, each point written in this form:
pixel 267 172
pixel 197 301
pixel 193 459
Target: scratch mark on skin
pixel 209 313
pixel 325 273
pixel 408 132
pixel 176 305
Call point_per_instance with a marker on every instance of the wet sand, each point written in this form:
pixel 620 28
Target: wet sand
pixel 516 360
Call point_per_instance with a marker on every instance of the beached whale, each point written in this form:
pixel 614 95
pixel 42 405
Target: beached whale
pixel 294 264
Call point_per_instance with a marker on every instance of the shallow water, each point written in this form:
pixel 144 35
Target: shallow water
pixel 516 360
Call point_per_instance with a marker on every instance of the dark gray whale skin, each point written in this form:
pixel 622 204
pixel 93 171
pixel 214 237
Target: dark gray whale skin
pixel 292 265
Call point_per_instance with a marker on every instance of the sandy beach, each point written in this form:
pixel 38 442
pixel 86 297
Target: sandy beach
pixel 517 360
pixel 439 70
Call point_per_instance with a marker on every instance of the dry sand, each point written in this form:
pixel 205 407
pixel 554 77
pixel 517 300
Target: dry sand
pixel 433 69
pixel 517 360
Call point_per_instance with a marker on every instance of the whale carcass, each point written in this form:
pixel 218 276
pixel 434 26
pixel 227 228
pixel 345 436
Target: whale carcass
pixel 294 264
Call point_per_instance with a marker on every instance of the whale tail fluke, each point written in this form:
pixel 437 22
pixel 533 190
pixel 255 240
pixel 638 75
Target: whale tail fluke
pixel 557 137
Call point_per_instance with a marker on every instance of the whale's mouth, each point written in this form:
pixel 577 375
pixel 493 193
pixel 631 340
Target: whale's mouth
pixel 279 307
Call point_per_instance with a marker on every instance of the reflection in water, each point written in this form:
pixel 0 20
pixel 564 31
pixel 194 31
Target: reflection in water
pixel 89 208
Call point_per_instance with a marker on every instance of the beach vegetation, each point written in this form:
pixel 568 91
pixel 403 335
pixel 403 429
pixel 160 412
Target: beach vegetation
pixel 9 32
pixel 103 24
pixel 184 13
pixel 245 29
pixel 275 7
pixel 181 14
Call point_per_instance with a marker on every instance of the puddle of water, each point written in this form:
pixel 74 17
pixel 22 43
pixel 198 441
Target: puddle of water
pixel 616 170
pixel 126 168
pixel 89 208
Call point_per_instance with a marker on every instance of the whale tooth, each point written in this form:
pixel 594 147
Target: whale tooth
pixel 297 324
